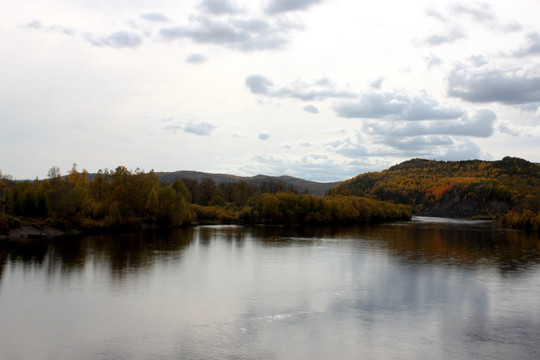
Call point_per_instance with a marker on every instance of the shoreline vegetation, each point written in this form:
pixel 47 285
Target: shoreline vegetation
pixel 122 200
pixel 506 191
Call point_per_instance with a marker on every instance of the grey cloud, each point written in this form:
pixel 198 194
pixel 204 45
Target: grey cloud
pixel 353 150
pixel 201 129
pixel 62 29
pixel 511 87
pixel 38 25
pixel 307 91
pixel 263 136
pixel 376 84
pixel 397 106
pixel 310 166
pixel 351 146
pixel 173 128
pixel 479 125
pixel 258 84
pixel 34 24
pixel 531 107
pixel 437 15
pixel 282 6
pixel 374 105
pixel 449 37
pixel 218 7
pixel 478 60
pixel 433 61
pixel 119 39
pixel 154 17
pixel 480 12
pixel 249 34
pixel 418 144
pixel 531 46
pixel 383 145
pixel 315 157
pixel 508 129
pixel 530 132
pixel 511 27
pixel 195 59
pixel 466 150
pixel 311 109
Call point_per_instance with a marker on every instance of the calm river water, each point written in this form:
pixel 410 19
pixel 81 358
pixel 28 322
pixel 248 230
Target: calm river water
pixel 430 288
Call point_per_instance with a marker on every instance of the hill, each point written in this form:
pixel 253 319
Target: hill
pixel 506 188
pixel 259 181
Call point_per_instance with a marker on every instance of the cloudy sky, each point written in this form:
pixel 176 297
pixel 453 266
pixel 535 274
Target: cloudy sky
pixel 317 89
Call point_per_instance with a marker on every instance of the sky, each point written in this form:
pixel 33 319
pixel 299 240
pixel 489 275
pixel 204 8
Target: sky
pixel 318 89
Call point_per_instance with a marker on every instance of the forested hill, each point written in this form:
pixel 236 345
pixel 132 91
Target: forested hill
pixel 508 188
pixel 263 182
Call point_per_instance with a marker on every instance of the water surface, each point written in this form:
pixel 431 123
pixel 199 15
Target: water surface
pixel 430 288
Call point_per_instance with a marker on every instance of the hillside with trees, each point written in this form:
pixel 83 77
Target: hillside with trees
pixel 123 199
pixel 507 190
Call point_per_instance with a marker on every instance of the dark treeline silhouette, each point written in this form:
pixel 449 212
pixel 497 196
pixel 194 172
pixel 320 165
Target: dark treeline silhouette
pixel 123 198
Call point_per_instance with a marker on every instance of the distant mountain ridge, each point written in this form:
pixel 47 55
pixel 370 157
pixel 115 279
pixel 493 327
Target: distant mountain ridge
pixel 300 185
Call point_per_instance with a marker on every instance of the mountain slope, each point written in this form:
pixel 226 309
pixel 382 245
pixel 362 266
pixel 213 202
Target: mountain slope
pixel 454 188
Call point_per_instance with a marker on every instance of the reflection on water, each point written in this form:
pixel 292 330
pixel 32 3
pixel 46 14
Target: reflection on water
pixel 434 288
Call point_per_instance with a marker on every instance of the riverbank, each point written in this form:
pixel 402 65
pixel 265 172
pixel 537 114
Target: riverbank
pixel 35 231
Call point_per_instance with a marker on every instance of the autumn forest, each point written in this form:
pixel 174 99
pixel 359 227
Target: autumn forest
pixel 507 191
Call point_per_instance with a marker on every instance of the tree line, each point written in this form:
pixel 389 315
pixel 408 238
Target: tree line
pixel 124 198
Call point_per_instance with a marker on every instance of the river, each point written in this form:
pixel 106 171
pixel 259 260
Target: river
pixel 429 288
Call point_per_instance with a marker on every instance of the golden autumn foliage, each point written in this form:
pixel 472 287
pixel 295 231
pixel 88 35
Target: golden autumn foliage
pixel 292 208
pixel 508 189
pixel 112 198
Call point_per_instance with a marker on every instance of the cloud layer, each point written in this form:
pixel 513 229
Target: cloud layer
pixel 320 89
pixel 506 86
pixel 315 88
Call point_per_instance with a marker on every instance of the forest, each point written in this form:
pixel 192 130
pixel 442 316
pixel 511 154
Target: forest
pixel 124 199
pixel 507 190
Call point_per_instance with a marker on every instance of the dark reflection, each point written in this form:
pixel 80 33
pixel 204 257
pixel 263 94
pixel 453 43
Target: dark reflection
pixel 422 289
pixel 122 254
pixel 460 243
pixel 229 233
pixel 129 253
pixel 464 243
pixel 418 242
